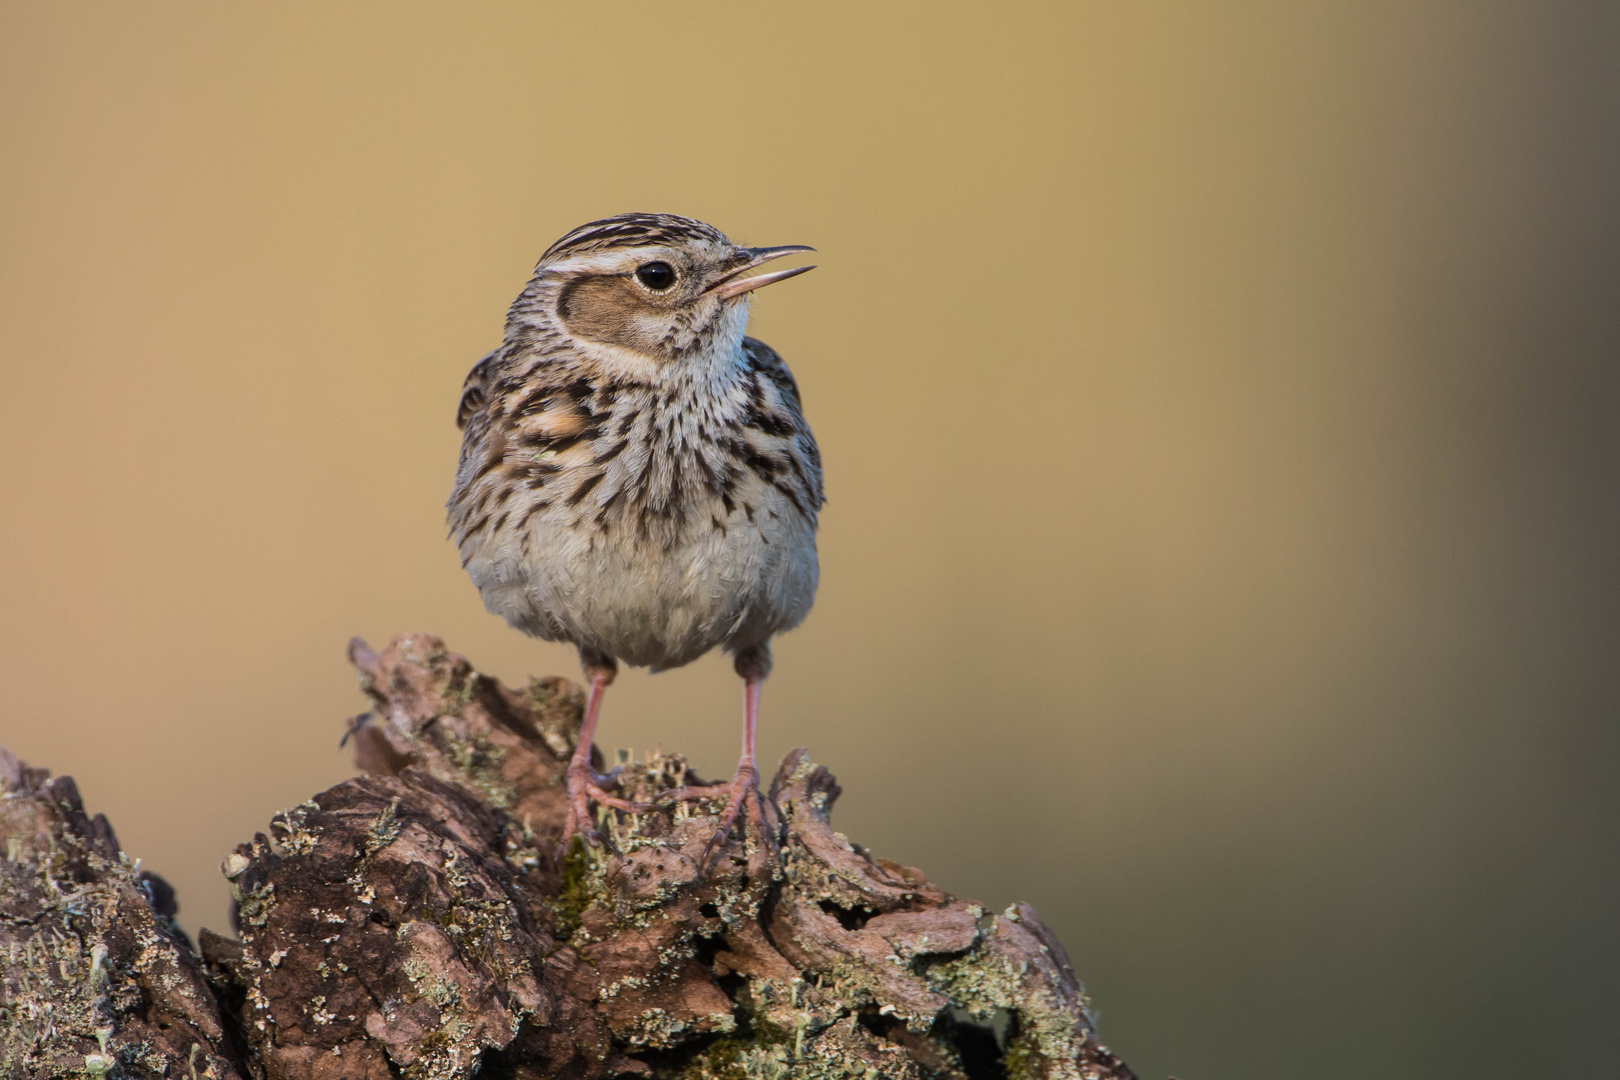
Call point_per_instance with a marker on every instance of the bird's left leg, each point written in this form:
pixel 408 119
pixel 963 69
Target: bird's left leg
pixel 753 665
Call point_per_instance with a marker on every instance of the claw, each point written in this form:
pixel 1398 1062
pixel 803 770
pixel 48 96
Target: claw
pixel 590 838
pixel 742 789
pixel 583 789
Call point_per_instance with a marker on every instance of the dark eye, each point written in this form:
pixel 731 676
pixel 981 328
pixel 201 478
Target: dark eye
pixel 657 276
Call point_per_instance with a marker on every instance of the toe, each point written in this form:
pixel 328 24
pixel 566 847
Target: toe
pixel 693 792
pixel 629 806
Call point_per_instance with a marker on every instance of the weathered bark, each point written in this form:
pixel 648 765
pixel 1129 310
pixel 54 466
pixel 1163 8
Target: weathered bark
pixel 95 977
pixel 414 922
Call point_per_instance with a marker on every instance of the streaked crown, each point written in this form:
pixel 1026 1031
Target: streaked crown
pixel 633 230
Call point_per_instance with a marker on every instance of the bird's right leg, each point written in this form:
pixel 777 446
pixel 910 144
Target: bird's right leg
pixel 585 783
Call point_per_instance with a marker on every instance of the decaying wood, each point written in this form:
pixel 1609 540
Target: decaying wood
pixel 95 977
pixel 414 922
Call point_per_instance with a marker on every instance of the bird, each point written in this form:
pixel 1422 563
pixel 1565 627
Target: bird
pixel 637 476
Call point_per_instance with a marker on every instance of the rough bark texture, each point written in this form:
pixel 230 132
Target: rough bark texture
pixel 413 922
pixel 95 977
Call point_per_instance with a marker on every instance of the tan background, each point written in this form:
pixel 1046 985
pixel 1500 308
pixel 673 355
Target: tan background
pixel 1219 413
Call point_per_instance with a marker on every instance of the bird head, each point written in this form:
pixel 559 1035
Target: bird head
pixel 642 292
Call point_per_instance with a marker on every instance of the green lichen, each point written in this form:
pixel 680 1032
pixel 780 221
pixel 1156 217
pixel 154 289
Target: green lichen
pixel 253 903
pixel 845 1053
pixel 575 894
pixel 384 829
pixel 460 689
pixel 557 709
pixel 47 1006
pixel 989 988
pixel 476 762
pixel 79 974
pixel 288 833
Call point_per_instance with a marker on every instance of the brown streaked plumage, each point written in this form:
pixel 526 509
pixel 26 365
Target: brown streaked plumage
pixel 636 475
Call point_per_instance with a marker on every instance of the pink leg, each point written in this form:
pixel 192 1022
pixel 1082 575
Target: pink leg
pixel 584 784
pixel 744 786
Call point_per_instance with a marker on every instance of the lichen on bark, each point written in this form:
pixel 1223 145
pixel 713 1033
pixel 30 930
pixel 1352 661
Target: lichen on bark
pixel 96 979
pixel 416 922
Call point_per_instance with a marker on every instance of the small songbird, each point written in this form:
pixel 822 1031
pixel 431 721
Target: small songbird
pixel 637 476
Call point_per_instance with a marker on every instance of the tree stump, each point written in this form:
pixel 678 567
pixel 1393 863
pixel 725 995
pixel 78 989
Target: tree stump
pixel 416 922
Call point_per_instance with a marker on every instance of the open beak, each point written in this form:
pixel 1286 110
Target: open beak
pixel 731 285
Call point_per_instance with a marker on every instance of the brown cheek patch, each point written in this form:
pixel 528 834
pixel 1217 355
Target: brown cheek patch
pixel 606 309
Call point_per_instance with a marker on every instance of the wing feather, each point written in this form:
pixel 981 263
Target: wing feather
pixel 474 390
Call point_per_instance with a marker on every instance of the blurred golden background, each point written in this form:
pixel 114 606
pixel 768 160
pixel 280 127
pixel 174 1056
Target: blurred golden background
pixel 1220 417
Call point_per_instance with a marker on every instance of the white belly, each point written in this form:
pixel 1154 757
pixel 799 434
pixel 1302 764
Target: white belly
pixel 642 603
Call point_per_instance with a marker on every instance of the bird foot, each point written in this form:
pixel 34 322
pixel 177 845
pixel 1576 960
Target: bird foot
pixel 740 790
pixel 585 786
